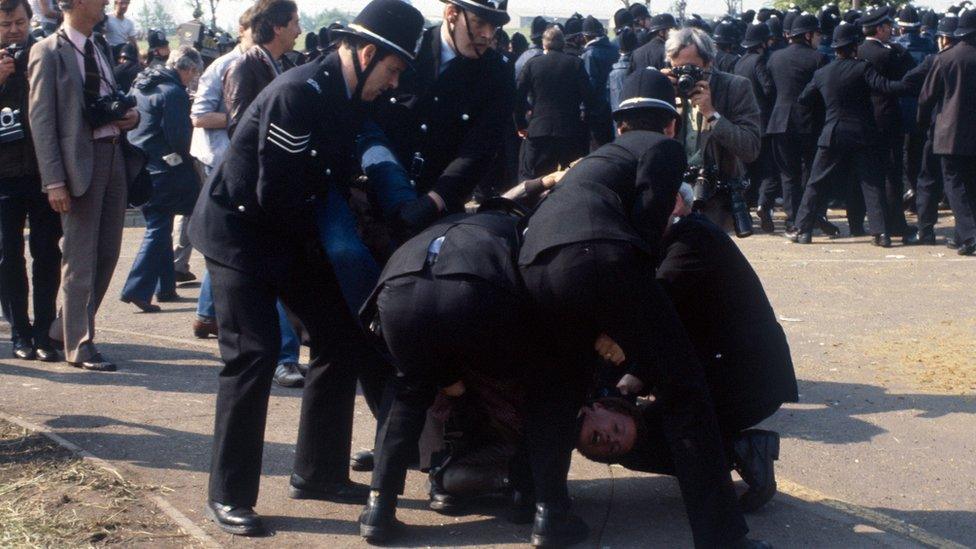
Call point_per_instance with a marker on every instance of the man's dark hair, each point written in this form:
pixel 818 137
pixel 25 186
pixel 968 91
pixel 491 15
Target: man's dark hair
pixel 652 120
pixel 870 31
pixel 846 52
pixel 269 14
pixel 8 6
pixel 622 407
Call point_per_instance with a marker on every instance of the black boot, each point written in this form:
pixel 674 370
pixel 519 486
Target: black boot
pixel 440 500
pixel 362 461
pixel 800 237
pixel 557 527
pixel 240 521
pixel 753 454
pixel 377 522
pixel 881 240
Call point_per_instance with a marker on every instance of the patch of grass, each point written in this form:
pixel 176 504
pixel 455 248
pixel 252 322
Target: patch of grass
pixel 51 498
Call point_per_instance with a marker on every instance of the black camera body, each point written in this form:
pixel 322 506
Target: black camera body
pixel 706 185
pixel 15 51
pixel 688 77
pixel 209 42
pixel 109 108
pixel 11 128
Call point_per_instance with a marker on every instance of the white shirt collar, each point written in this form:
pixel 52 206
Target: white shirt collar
pixel 591 42
pixel 447 51
pixel 75 36
pixel 873 39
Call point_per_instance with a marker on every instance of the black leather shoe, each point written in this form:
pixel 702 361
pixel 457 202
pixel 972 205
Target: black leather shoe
pixel 908 201
pixel 557 527
pixel 287 375
pixel 441 501
pixel 24 350
pixel 168 298
pixel 746 543
pixel 96 364
pixel 754 452
pixel 909 235
pixel 799 237
pixel 47 353
pixel 924 237
pixel 952 244
pixel 240 521
pixel 827 228
pixel 362 461
pixel 183 278
pixel 522 510
pixel 858 230
pixel 765 220
pixel 144 306
pixel 377 521
pixel 344 491
pixel 882 240
pixel 967 248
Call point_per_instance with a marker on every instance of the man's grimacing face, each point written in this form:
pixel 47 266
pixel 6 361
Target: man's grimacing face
pixel 604 433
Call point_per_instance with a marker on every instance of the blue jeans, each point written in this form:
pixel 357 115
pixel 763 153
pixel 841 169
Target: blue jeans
pixel 289 339
pixel 152 269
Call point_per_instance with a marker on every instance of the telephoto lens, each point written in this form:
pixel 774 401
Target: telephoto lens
pixel 740 214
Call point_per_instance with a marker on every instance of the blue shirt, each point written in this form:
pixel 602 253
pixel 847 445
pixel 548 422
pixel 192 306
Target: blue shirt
pixel 209 145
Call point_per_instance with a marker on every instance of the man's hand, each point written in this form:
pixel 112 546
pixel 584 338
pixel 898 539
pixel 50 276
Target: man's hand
pixel 130 121
pixel 609 350
pixel 702 98
pixel 549 181
pixel 7 68
pixel 59 199
pixel 455 390
pixel 630 385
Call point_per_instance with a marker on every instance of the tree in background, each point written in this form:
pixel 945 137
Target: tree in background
pixel 153 15
pixel 314 22
pixel 813 6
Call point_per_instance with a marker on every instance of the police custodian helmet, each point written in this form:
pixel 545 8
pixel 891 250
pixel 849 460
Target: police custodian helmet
pixel 646 88
pixel 390 24
pixel 493 11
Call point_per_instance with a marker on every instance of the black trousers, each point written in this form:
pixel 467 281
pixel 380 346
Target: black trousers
pixel 589 288
pixel 959 175
pixel 16 207
pixel 892 165
pixel 437 328
pixel 764 176
pixel 929 188
pixel 794 157
pixel 543 155
pixel 249 344
pixel 914 156
pixel 828 167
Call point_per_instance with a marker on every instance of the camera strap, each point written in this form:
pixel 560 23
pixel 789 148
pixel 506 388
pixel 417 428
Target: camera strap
pixel 96 48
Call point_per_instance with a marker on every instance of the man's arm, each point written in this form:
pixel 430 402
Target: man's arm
pixel 283 141
pixel 765 80
pixel 239 91
pixel 207 111
pixel 880 84
pixel 522 98
pixel 810 95
pixel 176 121
pixel 738 129
pixel 43 115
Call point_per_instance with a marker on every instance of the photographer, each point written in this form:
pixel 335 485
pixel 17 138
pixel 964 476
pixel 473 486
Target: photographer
pixel 163 134
pixel 78 118
pixel 21 198
pixel 719 115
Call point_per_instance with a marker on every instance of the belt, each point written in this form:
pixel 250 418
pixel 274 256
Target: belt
pixel 111 140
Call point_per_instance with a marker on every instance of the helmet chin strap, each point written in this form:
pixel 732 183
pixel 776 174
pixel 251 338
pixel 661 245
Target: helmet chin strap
pixel 362 74
pixel 467 27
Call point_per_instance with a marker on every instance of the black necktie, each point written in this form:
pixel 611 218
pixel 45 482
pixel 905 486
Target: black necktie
pixel 93 83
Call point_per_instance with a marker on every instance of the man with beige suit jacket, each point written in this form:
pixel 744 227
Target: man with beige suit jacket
pixel 82 170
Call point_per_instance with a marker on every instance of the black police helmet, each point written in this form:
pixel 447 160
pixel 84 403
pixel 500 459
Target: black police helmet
pixel 325 38
pixel 311 41
pixel 967 24
pixel 775 25
pixel 156 38
pixel 539 26
pixel 662 21
pixel 948 26
pixel 592 26
pixel 725 34
pixel 622 19
pixel 930 19
pixel 803 24
pixel 844 35
pixel 628 40
pixel 908 18
pixel 876 17
pixel 390 24
pixel 646 88
pixel 574 25
pixel 492 11
pixel 639 11
pixel 756 34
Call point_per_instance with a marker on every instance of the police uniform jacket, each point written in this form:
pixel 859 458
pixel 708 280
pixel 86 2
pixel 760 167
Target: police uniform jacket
pixel 482 245
pixel 623 191
pixel 892 62
pixel 725 310
pixel 449 126
pixel 951 84
pixel 752 66
pixel 558 85
pixel 650 54
pixel 845 87
pixel 792 69
pixel 256 210
pixel 725 61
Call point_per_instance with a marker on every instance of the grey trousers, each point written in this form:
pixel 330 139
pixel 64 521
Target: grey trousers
pixel 181 253
pixel 90 250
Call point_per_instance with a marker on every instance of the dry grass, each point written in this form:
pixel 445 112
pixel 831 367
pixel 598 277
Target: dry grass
pixel 51 498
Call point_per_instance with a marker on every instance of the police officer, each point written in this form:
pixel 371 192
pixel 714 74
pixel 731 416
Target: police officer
pixel 892 62
pixel 794 127
pixel 642 22
pixel 448 118
pixel 294 142
pixel 726 38
pixel 762 172
pixel 849 136
pixel 950 86
pixel 651 54
pixel 919 48
pixel 587 263
pixel 539 26
pixel 598 57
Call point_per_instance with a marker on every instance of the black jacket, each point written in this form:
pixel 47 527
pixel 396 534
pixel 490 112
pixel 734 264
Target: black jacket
pixel 623 191
pixel 845 86
pixel 558 85
pixel 449 127
pixel 650 54
pixel 792 69
pixel 729 319
pixel 951 85
pixel 244 80
pixel 18 163
pixel 891 62
pixel 752 66
pixel 255 212
pixel 725 61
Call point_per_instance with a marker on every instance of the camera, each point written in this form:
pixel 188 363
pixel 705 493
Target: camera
pixel 10 127
pixel 706 186
pixel 15 51
pixel 211 43
pixel 688 77
pixel 109 108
